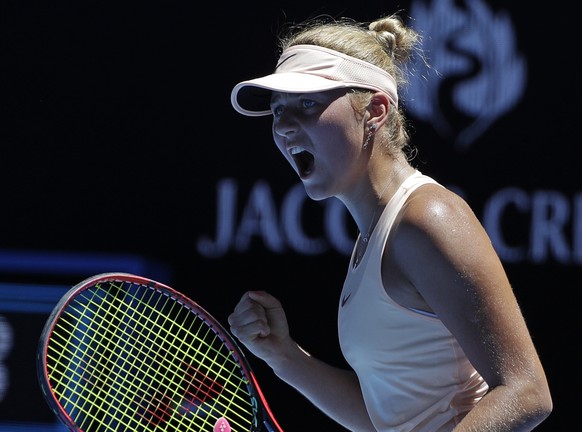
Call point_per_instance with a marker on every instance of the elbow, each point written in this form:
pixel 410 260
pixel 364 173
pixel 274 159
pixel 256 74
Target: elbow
pixel 544 397
pixel 545 405
pixel 528 402
pixel 540 403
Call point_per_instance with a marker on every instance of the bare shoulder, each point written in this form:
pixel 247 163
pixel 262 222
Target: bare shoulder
pixel 438 231
pixel 437 210
pixel 441 249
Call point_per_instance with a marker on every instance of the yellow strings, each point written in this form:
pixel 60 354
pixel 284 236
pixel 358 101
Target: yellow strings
pixel 125 359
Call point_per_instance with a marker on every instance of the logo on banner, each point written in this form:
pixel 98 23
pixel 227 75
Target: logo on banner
pixel 475 75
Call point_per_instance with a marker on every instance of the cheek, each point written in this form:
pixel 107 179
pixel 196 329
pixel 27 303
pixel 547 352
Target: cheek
pixel 342 122
pixel 339 152
pixel 342 138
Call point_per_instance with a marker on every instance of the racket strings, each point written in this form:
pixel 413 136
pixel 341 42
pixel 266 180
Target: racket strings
pixel 143 359
pixel 199 386
pixel 204 387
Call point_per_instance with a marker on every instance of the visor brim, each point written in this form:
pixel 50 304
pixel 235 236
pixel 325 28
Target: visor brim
pixel 253 97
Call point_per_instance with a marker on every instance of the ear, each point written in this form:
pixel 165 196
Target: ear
pixel 378 110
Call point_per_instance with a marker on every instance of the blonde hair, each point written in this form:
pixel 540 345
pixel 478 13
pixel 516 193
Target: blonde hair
pixel 387 43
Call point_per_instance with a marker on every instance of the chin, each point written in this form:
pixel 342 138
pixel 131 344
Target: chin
pixel 314 193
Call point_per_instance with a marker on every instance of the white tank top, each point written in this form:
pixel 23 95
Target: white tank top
pixel 413 373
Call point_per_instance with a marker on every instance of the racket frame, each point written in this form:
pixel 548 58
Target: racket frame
pixel 262 413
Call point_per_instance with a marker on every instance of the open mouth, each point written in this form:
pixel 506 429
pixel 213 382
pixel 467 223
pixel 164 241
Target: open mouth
pixel 303 160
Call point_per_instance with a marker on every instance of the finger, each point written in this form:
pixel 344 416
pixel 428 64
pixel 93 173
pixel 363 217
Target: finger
pixel 247 310
pixel 249 320
pixel 264 299
pixel 251 331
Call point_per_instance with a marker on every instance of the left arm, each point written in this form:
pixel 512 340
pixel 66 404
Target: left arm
pixel 463 281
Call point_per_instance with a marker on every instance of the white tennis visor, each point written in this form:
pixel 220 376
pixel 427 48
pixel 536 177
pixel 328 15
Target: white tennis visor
pixel 309 69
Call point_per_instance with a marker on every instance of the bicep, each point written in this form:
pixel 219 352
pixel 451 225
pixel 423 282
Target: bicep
pixel 448 257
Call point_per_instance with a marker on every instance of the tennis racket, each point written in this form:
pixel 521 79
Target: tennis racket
pixel 120 352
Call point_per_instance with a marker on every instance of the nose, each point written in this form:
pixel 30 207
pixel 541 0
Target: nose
pixel 285 125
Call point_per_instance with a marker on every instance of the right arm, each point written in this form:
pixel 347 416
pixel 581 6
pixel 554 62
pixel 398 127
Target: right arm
pixel 259 322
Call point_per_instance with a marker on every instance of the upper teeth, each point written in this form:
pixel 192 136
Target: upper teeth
pixel 296 150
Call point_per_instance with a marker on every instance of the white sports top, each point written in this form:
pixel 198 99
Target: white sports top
pixel 413 373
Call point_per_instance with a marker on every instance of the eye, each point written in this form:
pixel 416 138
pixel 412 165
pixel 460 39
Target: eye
pixel 277 110
pixel 308 103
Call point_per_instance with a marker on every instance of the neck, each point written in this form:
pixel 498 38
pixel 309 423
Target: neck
pixel 366 215
pixel 370 214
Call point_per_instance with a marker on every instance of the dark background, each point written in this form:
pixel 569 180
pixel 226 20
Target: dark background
pixel 116 127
